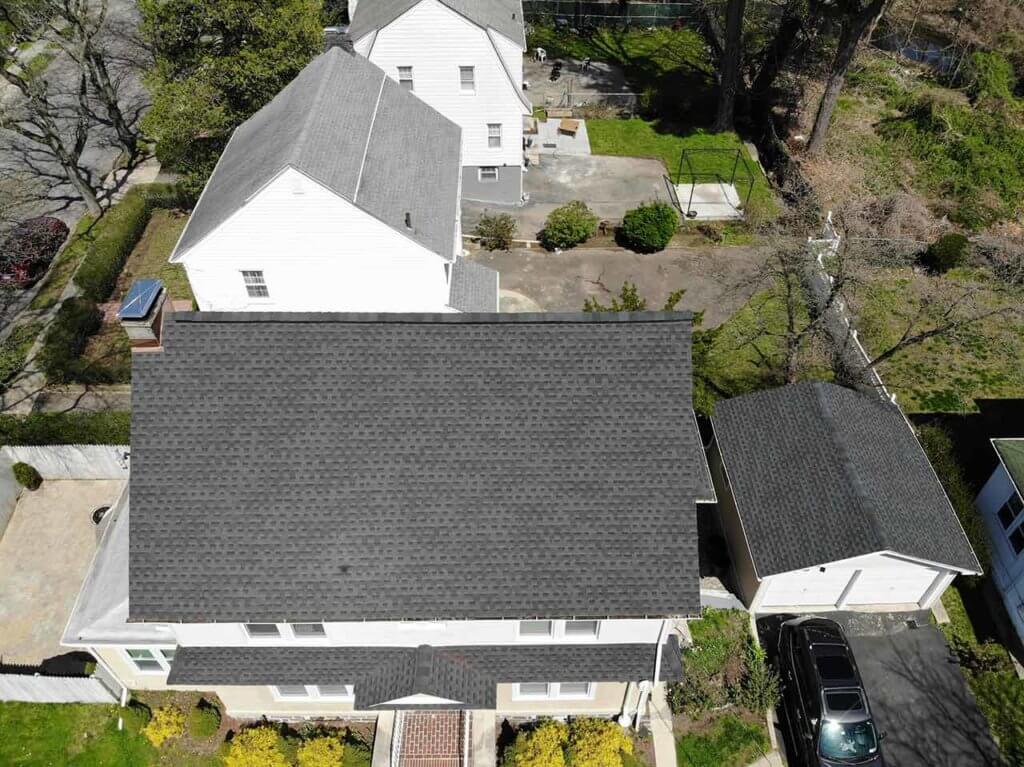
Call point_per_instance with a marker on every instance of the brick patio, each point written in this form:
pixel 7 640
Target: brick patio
pixel 432 739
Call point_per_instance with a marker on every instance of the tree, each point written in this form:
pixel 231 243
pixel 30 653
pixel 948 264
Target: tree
pixel 217 62
pixel 731 59
pixel 856 18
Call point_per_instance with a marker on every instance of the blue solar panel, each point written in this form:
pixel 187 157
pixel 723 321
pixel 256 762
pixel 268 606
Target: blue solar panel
pixel 140 299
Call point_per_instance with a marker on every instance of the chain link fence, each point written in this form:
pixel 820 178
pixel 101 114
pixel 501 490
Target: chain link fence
pixel 608 14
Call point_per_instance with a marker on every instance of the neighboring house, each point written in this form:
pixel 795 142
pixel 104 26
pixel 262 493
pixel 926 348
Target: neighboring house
pixel 1001 503
pixel 337 514
pixel 320 203
pixel 465 59
pixel 828 502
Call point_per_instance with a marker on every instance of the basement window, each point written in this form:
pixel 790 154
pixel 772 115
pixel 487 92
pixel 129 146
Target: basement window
pixel 488 173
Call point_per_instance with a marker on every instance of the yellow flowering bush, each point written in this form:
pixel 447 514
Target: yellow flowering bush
pixel 167 722
pixel 598 743
pixel 543 746
pixel 324 751
pixel 256 747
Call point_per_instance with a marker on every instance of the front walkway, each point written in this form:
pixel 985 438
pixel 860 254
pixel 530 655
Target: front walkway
pixel 432 738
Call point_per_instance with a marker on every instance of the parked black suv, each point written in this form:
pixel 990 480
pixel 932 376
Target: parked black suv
pixel 825 704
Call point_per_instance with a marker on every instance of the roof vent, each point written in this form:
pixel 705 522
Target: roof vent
pixel 142 313
pixel 408 220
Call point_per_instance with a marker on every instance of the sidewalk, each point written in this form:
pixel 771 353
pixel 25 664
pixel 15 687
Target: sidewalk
pixel 661 728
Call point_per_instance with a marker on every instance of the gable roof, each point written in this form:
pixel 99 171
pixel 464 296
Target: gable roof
pixel 387 467
pixel 821 473
pixel 346 125
pixel 474 287
pixel 503 16
pixel 1011 453
pixel 468 675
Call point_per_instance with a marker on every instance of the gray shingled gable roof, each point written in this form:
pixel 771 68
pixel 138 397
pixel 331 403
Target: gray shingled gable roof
pixel 467 675
pixel 821 473
pixel 346 125
pixel 349 467
pixel 474 287
pixel 504 16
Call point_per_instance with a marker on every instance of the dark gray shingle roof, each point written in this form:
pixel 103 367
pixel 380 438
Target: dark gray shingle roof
pixel 340 108
pixel 821 473
pixel 474 287
pixel 504 16
pixel 467 675
pixel 348 467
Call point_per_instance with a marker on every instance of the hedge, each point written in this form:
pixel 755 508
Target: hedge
pixel 76 320
pixel 116 234
pixel 649 228
pixel 66 429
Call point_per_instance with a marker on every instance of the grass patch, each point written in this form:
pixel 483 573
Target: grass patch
pixel 728 741
pixel 75 735
pixel 37 65
pixel 63 267
pixel 941 374
pixel 14 351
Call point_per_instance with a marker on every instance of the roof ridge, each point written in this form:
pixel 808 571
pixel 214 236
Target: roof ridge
pixel 438 318
pixel 850 473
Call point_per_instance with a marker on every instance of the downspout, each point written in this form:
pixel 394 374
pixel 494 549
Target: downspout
pixel 645 686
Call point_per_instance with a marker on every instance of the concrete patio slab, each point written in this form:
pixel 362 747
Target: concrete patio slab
pixel 574 86
pixel 45 553
pixel 709 202
pixel 552 138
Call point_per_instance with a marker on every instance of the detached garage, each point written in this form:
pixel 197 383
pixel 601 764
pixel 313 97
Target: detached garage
pixel 827 502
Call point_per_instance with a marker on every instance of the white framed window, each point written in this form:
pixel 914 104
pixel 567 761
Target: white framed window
pixel 313 692
pixel 488 173
pixel 150 660
pixel 535 629
pixel 553 691
pixel 308 630
pixel 255 284
pixel 262 630
pixel 494 135
pixel 405 78
pixel 467 79
pixel 337 691
pixel 582 629
pixel 291 691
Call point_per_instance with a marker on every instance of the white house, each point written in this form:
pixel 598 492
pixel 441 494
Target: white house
pixel 321 202
pixel 465 59
pixel 338 515
pixel 1001 503
pixel 828 502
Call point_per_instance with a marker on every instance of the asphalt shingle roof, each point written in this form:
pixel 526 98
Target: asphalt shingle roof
pixel 822 473
pixel 467 675
pixel 291 467
pixel 345 124
pixel 474 287
pixel 504 16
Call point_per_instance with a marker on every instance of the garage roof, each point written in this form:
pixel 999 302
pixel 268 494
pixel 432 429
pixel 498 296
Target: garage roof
pixel 307 467
pixel 821 473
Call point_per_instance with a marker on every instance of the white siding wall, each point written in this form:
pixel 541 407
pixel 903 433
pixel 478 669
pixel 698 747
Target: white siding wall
pixel 414 634
pixel 435 41
pixel 318 252
pixel 1007 567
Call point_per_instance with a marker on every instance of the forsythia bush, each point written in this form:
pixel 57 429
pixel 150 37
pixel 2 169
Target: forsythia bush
pixel 543 746
pixel 598 743
pixel 325 751
pixel 167 722
pixel 256 747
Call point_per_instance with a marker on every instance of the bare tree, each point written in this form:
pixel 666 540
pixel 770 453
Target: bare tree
pixel 730 65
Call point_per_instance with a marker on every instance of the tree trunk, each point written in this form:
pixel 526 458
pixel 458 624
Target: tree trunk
pixel 730 65
pixel 107 93
pixel 778 54
pixel 854 27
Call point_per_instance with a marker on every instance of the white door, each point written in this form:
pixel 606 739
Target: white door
pixel 891 585
pixel 807 588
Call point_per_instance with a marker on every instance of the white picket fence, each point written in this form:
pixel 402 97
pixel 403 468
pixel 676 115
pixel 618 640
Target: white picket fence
pixel 54 689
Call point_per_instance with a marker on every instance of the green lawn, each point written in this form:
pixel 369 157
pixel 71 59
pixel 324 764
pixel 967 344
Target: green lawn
pixel 730 741
pixel 64 266
pixel 15 349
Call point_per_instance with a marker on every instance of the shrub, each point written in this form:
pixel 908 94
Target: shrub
pixel 324 751
pixel 117 233
pixel 203 720
pixel 568 226
pixel 597 743
pixel 496 232
pixel 759 689
pixel 76 320
pixel 66 429
pixel 256 747
pixel 992 76
pixel 168 722
pixel 947 252
pixel 541 746
pixel 30 248
pixel 1005 256
pixel 649 228
pixel 27 476
pixel 713 668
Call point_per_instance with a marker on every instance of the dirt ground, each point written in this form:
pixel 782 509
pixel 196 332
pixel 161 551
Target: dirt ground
pixel 534 279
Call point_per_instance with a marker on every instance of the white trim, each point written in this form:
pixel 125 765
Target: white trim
pixel 554 691
pixel 312 693
pixel 845 593
pixel 156 654
pixel 516 87
pixel 369 137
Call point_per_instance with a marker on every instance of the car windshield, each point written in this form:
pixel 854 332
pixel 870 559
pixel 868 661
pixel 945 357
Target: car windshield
pixel 851 741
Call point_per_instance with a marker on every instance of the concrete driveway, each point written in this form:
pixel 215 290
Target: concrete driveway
pixel 609 185
pixel 917 693
pixel 536 280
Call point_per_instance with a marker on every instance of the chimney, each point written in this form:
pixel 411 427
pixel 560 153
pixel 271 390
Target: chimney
pixel 142 314
pixel 338 37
